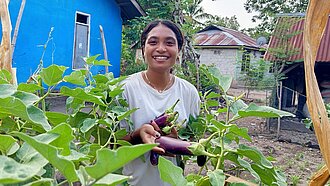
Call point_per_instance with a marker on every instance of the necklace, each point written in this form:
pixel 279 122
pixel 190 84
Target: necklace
pixel 160 91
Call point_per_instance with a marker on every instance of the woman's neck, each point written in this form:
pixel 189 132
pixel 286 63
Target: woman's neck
pixel 160 81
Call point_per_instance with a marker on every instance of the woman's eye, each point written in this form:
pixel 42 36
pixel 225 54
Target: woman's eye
pixel 152 42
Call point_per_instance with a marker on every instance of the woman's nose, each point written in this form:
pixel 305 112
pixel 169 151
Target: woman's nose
pixel 161 48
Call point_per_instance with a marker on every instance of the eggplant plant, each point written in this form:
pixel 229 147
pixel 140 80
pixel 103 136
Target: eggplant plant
pixel 216 133
pixel 81 144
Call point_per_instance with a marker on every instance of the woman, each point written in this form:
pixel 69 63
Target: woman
pixel 152 92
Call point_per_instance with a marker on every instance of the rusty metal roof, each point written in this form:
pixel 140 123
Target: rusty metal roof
pixel 221 36
pixel 296 41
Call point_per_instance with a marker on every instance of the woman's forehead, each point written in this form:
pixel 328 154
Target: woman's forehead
pixel 161 31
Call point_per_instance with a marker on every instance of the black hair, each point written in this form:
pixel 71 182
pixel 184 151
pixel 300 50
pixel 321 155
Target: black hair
pixel 169 24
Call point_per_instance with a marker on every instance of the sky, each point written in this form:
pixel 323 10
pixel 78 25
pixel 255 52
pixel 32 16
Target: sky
pixel 228 8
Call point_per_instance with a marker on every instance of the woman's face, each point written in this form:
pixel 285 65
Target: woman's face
pixel 161 48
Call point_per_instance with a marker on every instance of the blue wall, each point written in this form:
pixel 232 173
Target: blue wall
pixel 41 15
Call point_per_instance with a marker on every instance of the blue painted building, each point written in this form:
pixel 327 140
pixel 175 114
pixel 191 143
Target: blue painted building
pixel 75 32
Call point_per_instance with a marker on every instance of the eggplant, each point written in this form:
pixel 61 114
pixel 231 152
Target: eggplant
pixel 154 158
pixel 201 160
pixel 174 146
pixel 167 117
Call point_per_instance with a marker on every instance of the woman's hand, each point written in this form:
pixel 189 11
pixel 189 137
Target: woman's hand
pixel 148 135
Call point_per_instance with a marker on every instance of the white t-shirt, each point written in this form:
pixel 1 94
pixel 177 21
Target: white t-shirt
pixel 150 104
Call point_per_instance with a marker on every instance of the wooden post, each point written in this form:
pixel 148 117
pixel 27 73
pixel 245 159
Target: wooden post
pixel 5 47
pixel 18 22
pixel 104 48
pixel 279 107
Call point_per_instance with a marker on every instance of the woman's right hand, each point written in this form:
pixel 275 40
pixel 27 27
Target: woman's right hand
pixel 148 135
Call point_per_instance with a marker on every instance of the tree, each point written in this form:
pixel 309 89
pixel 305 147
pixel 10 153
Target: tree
pixel 228 22
pixel 267 10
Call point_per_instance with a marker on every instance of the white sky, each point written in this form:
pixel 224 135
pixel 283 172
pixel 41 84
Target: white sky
pixel 228 8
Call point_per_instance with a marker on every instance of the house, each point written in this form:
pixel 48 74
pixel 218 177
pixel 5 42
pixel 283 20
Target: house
pixel 293 86
pixel 70 30
pixel 225 48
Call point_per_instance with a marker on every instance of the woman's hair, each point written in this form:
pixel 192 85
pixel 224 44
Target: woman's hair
pixel 168 24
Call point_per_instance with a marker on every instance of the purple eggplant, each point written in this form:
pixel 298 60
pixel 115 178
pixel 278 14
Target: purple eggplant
pixel 154 158
pixel 174 146
pixel 167 117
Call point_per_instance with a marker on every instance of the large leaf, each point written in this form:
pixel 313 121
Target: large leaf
pixel 88 123
pixel 41 182
pixel 111 160
pixel 263 111
pixel 80 94
pixel 255 155
pixel 63 141
pixel 76 77
pixel 242 132
pixel 248 167
pixel 52 75
pixel 91 59
pixel 16 107
pixel 171 173
pixel 12 172
pixel 51 154
pixel 28 87
pixel 6 143
pixel 224 81
pixel 26 98
pixel 6 90
pixel 8 125
pixel 217 177
pixel 111 180
pixel 56 118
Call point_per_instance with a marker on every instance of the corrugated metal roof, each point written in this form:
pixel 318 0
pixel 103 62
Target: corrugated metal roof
pixel 221 36
pixel 130 9
pixel 296 42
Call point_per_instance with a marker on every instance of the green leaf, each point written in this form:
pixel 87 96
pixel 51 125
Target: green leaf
pixel 91 59
pixel 88 123
pixel 242 132
pixel 212 95
pixel 76 77
pixel 255 155
pixel 102 62
pixel 263 111
pixel 224 81
pixel 248 167
pixel 8 125
pixel 217 177
pixel 171 173
pixel 76 156
pixel 6 90
pixel 6 143
pixel 51 154
pixel 52 75
pixel 28 87
pixel 26 98
pixel 80 94
pixel 65 133
pixel 111 160
pixel 56 118
pixel 112 180
pixel 100 78
pixel 41 182
pixel 12 172
pixel 5 76
pixel 16 107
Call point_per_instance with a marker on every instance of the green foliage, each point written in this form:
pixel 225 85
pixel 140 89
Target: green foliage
pixel 83 144
pixel 228 22
pixel 268 9
pixel 215 130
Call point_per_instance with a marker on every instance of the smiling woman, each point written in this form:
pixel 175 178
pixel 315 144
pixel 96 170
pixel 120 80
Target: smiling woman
pixel 153 91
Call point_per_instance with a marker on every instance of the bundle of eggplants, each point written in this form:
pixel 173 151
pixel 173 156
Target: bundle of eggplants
pixel 173 145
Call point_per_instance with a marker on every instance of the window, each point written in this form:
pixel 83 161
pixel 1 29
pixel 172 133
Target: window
pixel 246 59
pixel 81 40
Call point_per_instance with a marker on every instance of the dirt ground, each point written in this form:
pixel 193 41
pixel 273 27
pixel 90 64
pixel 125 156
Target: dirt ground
pixel 296 151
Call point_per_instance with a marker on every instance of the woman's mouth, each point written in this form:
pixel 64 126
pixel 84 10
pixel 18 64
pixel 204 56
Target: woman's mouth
pixel 160 58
